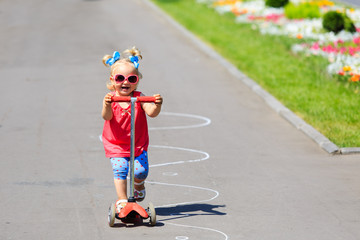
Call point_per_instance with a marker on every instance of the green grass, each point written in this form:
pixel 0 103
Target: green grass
pixel 301 83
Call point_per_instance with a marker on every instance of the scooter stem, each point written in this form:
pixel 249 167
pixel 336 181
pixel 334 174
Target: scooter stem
pixel 132 150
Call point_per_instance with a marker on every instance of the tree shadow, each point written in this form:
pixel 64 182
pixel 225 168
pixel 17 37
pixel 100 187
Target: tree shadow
pixel 190 210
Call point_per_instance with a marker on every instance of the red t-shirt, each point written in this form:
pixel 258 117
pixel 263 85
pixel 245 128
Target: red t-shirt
pixel 116 132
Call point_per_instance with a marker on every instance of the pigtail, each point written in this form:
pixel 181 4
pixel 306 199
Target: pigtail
pixel 106 59
pixel 110 60
pixel 133 52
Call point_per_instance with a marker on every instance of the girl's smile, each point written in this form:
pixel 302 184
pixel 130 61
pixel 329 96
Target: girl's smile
pixel 125 89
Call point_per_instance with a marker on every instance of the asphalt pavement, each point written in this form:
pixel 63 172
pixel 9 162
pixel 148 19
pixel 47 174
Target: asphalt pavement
pixel 354 3
pixel 223 164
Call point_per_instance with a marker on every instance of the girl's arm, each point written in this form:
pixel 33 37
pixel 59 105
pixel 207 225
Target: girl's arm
pixel 152 110
pixel 107 113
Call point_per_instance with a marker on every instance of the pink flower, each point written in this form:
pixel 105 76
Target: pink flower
pixel 315 46
pixel 352 51
pixel 273 17
pixel 357 40
pixel 329 49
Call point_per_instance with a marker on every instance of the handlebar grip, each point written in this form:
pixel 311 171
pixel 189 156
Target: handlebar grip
pixel 120 99
pixel 146 99
pixel 128 99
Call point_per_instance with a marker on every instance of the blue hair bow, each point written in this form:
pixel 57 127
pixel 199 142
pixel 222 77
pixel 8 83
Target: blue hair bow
pixel 135 61
pixel 115 57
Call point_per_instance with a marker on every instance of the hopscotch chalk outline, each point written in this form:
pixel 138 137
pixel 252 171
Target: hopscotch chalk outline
pixel 206 122
pixel 206 157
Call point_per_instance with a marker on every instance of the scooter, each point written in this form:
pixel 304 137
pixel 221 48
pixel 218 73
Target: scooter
pixel 132 212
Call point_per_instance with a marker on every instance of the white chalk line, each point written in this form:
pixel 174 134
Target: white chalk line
pixel 186 186
pixel 206 122
pixel 188 203
pixel 207 156
pixel 202 228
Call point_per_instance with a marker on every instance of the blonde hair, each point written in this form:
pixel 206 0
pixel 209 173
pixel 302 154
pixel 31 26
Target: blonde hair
pixel 124 59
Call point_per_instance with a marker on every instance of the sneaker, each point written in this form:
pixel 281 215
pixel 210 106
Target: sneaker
pixel 139 195
pixel 120 204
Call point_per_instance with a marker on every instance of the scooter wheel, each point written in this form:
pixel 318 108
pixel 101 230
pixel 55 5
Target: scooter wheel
pixel 152 214
pixel 111 218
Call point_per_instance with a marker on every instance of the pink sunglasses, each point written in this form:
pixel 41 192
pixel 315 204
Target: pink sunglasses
pixel 119 78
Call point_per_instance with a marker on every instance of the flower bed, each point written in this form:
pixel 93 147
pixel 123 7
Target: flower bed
pixel 342 49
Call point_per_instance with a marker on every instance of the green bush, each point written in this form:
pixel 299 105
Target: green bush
pixel 333 21
pixel 276 3
pixel 303 10
pixel 348 24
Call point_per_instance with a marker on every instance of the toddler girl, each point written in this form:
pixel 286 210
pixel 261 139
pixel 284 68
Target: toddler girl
pixel 124 80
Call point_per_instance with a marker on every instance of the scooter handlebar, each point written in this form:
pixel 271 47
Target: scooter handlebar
pixel 128 99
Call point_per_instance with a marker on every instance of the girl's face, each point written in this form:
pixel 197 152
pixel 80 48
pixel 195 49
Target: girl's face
pixel 126 87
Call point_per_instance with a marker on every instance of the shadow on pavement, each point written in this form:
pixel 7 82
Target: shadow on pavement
pixel 189 210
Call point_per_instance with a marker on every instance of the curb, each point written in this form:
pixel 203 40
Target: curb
pixel 276 105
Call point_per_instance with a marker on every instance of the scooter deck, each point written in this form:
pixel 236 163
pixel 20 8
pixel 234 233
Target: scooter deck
pixel 132 212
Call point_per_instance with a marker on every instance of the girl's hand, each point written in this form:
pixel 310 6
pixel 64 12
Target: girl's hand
pixel 107 113
pixel 107 100
pixel 152 110
pixel 158 99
